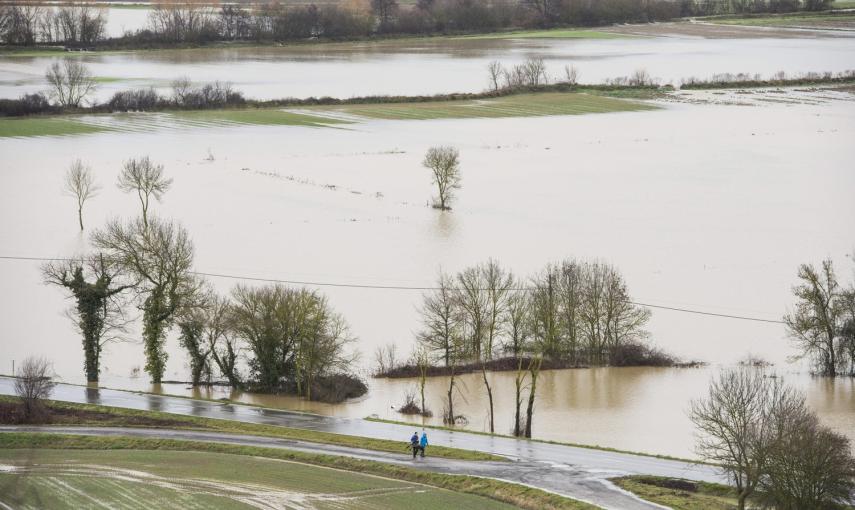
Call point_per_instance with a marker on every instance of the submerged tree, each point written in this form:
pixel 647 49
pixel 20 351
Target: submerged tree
pixel 145 178
pixel 95 282
pixel 444 164
pixel 70 82
pixel 80 184
pixel 818 323
pixel 159 255
pixel 293 334
pixel 441 321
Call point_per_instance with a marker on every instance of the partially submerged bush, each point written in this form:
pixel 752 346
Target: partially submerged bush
pixel 27 104
pixel 410 406
pixel 137 100
pixel 636 354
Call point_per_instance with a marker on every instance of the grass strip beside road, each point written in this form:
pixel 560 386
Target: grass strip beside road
pixel 680 494
pixel 517 495
pixel 67 413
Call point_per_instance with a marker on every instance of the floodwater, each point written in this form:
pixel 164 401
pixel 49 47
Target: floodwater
pixel 708 206
pixel 433 66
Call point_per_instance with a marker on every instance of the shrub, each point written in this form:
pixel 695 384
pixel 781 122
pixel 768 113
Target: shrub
pixel 28 104
pixel 138 100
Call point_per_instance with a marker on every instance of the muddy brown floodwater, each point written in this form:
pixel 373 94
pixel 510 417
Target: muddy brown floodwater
pixel 709 206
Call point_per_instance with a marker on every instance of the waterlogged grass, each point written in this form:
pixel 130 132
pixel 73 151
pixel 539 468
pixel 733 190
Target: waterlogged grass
pixel 705 496
pixel 264 117
pixel 29 444
pixel 46 126
pixel 559 33
pixel 95 415
pixel 192 479
pixel 817 20
pixel 146 122
pixel 522 105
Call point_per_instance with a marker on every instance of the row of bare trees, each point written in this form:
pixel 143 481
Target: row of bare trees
pixel 573 312
pixel 290 339
pixel 822 323
pixel 769 443
pixel 26 25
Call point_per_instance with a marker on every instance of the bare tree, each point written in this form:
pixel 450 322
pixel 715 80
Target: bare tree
pixel 571 74
pixel 444 163
pixel 385 358
pixel 96 283
pixel 33 384
pixel 80 184
pixel 810 466
pixel 441 321
pixel 736 426
pixel 70 82
pixel 535 363
pixel 145 178
pixel 496 71
pixel 159 255
pixel 422 359
pixel 817 322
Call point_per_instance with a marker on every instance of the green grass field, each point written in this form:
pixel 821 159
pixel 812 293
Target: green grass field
pixel 521 496
pixel 263 117
pixel 558 33
pixel 843 4
pixel 46 126
pixel 522 105
pixel 61 479
pixel 813 20
pixel 76 125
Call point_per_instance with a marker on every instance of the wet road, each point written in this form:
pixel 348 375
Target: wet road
pixel 579 473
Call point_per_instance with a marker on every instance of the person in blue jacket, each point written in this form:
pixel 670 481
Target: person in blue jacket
pixel 414 443
pixel 423 443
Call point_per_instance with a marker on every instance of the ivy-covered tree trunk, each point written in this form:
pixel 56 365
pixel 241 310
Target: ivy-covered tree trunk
pixel 154 336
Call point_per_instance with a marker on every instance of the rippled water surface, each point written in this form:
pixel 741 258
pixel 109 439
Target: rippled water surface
pixel 708 206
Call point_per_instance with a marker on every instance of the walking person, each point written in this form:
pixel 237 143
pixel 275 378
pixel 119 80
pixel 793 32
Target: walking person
pixel 414 444
pixel 423 443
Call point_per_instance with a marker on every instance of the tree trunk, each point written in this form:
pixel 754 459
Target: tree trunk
pixel 489 396
pixel 80 217
pixel 530 410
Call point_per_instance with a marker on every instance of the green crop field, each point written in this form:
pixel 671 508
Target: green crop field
pixel 266 117
pixel 523 105
pixel 46 126
pixel 75 479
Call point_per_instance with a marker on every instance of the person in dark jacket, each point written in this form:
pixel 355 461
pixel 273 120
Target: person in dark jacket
pixel 414 443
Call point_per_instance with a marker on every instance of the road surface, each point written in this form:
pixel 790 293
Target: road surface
pixel 579 473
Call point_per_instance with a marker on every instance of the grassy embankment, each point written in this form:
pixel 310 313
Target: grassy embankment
pixel 67 413
pixel 218 462
pixel 680 494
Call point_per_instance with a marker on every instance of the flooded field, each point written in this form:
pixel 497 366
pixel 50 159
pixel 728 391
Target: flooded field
pixel 442 65
pixel 708 206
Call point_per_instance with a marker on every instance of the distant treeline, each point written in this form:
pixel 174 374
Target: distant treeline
pixel 195 23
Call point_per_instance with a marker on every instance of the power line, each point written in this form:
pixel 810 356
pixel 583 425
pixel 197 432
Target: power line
pixel 409 288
